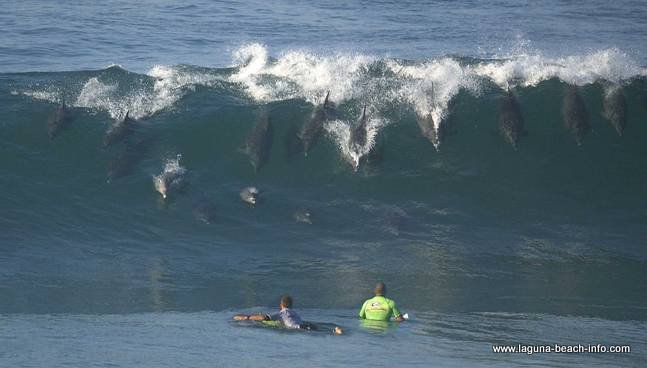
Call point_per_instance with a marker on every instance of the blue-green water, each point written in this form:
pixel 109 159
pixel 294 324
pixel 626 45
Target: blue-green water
pixel 208 339
pixel 481 240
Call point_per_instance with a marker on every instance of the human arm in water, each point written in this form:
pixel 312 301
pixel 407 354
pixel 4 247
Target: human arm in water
pixel 252 317
pixel 362 311
pixel 397 316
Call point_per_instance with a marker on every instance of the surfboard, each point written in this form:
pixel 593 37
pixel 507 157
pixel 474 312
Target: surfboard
pixel 307 326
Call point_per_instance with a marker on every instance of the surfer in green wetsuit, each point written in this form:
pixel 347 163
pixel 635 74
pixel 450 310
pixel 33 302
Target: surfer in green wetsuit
pixel 380 308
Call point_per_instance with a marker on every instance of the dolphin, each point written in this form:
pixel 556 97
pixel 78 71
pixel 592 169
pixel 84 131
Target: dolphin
pixel 249 195
pixel 125 162
pixel 58 121
pixel 311 129
pixel 428 129
pixel 357 141
pixel 119 131
pixel 302 216
pixel 205 211
pixel 259 143
pixel 615 108
pixel 575 114
pixel 510 119
pixel 169 181
pixel 393 223
pixel 358 134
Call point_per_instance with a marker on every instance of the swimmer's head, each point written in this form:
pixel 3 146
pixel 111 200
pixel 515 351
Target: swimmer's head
pixel 380 289
pixel 286 302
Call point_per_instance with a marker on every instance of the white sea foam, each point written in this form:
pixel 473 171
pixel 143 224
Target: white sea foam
pixel 170 85
pixel 50 95
pixel 96 94
pixel 428 86
pixel 172 166
pixel 299 74
pixel 529 70
pixel 140 99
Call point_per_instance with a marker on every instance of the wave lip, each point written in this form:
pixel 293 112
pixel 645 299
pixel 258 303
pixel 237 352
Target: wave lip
pixel 426 87
pixel 529 70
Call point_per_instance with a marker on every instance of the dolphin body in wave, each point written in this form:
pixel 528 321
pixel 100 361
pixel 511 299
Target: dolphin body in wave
pixel 119 131
pixel 169 182
pixel 428 129
pixel 357 141
pixel 615 108
pixel 259 143
pixel 576 118
pixel 302 216
pixel 311 130
pixel 510 119
pixel 249 195
pixel 58 121
pixel 205 211
pixel 358 133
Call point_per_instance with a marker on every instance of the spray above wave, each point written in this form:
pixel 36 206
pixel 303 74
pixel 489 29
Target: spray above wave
pixel 142 99
pixel 116 91
pixel 428 86
pixel 298 75
pixel 350 80
pixel 529 70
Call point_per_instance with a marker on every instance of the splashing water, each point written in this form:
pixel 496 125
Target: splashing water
pixel 171 177
pixel 351 152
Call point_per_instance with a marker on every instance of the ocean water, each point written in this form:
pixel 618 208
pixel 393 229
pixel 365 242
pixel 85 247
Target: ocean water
pixel 496 183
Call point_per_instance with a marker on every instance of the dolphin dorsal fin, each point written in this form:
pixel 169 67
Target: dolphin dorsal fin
pixel 364 113
pixel 326 100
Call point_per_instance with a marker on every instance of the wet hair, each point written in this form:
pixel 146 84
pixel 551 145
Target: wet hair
pixel 286 301
pixel 380 288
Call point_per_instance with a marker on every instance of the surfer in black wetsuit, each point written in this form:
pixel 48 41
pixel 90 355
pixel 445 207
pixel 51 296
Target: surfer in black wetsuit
pixel 286 316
